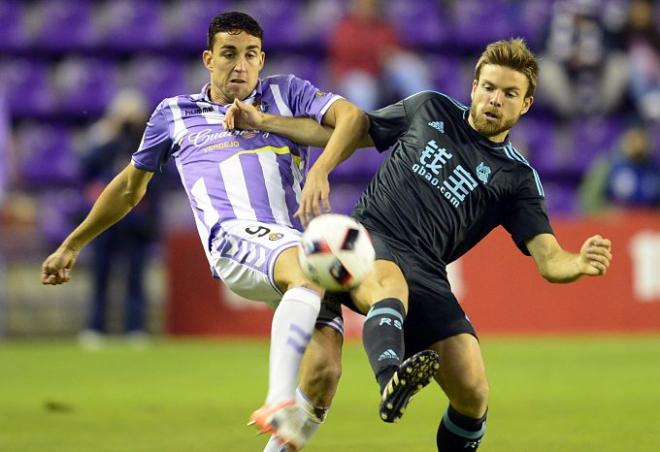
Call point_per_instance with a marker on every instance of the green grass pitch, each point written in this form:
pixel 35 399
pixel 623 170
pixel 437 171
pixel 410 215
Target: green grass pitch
pixel 547 394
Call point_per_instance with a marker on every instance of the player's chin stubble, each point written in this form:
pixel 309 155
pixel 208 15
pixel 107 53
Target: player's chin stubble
pixel 490 129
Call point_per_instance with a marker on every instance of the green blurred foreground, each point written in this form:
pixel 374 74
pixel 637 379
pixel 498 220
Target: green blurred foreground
pixel 559 394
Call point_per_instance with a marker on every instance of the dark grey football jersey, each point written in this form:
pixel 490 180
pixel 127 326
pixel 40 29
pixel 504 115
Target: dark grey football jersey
pixel 445 186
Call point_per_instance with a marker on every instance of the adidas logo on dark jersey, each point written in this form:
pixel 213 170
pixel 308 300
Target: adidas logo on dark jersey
pixel 388 354
pixel 438 125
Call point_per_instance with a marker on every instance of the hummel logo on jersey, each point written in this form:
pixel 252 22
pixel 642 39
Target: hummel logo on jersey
pixel 438 125
pixel 483 172
pixel 388 354
pixel 196 111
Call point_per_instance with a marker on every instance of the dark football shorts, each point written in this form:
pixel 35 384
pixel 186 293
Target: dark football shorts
pixel 434 313
pixel 330 313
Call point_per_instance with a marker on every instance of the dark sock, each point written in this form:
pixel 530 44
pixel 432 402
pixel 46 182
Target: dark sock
pixel 458 432
pixel 382 335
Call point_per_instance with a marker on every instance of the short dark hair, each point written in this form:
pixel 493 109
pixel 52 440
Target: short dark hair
pixel 233 22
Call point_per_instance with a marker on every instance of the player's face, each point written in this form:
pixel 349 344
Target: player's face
pixel 498 100
pixel 234 64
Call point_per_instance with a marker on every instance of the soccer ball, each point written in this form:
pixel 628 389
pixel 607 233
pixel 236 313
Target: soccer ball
pixel 336 252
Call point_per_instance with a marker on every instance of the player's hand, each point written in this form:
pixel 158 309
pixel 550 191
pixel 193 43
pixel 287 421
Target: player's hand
pixel 242 116
pixel 57 267
pixel 595 256
pixel 315 199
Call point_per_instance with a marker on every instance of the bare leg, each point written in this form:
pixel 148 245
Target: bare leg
pixel 321 367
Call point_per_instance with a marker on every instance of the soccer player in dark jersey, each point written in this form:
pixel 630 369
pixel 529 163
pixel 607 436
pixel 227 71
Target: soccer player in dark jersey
pixel 451 178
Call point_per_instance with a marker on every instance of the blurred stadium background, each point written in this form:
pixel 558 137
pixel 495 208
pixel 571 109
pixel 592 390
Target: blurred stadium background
pixel 61 64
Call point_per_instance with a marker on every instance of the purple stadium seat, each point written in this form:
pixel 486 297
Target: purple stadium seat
pixel 158 78
pixel 560 198
pixel 63 25
pixel 85 86
pixel 196 75
pixel 280 20
pixel 360 167
pixel 46 155
pixel 477 23
pixel 343 196
pixel 593 137
pixel 450 76
pixel 132 25
pixel 28 87
pixel 13 30
pixel 319 19
pixel 188 20
pixel 567 149
pixel 420 23
pixel 536 138
pixel 532 18
pixel 307 68
pixel 57 213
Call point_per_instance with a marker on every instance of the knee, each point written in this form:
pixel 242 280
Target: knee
pixel 288 274
pixel 472 398
pixel 379 286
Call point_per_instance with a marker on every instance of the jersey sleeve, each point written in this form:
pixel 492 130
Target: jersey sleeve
pixel 305 99
pixel 387 124
pixel 156 145
pixel 527 214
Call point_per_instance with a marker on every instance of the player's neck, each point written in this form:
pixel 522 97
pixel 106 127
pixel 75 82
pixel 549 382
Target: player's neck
pixel 217 97
pixel 499 139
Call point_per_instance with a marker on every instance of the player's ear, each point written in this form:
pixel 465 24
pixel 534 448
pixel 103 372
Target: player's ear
pixel 207 58
pixel 474 88
pixel 527 104
pixel 263 60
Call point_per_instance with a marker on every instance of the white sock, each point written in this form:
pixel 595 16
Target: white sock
pixel 273 445
pixel 291 330
pixel 315 417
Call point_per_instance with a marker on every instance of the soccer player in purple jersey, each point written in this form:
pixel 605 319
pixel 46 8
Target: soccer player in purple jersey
pixel 244 189
pixel 452 177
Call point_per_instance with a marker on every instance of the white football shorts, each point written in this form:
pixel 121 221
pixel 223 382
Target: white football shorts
pixel 244 253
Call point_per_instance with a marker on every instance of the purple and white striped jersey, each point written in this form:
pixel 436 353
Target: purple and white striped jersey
pixel 227 175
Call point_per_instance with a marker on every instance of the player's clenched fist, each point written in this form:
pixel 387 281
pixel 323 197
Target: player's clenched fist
pixel 242 115
pixel 595 255
pixel 56 268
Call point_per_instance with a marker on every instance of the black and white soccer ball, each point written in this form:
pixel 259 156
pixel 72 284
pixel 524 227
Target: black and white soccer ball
pixel 336 252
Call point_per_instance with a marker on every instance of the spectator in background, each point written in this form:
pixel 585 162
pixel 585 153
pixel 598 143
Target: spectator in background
pixel 628 178
pixel 583 70
pixel 643 41
pixel 127 244
pixel 367 59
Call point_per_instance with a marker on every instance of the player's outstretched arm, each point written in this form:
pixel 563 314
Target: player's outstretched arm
pixel 559 266
pixel 350 127
pixel 117 199
pixel 306 131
